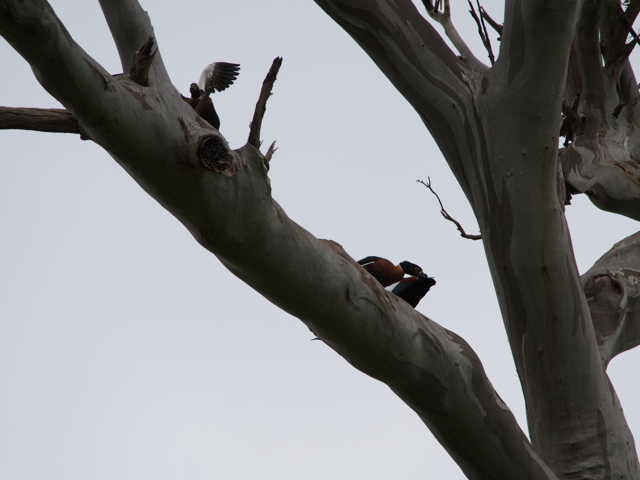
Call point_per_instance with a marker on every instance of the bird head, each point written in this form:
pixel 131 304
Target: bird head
pixel 195 91
pixel 410 268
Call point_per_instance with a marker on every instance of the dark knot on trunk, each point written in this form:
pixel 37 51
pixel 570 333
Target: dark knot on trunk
pixel 214 155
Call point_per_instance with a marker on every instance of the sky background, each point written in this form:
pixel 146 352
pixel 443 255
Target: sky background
pixel 128 352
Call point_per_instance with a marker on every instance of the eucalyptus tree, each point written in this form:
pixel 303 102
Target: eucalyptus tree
pixel 562 69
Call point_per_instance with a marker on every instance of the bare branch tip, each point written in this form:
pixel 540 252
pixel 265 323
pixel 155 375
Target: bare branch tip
pixel 261 105
pixel 444 213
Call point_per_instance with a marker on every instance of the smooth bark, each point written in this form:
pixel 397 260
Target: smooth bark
pixel 55 120
pixel 498 130
pixel 224 198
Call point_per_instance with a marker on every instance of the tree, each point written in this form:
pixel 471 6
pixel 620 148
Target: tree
pixel 527 263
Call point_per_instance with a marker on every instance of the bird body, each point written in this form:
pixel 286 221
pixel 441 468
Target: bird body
pixel 411 289
pixel 208 112
pixel 216 76
pixel 382 270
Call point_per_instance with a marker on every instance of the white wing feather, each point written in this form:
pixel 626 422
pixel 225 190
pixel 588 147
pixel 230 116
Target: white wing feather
pixel 206 75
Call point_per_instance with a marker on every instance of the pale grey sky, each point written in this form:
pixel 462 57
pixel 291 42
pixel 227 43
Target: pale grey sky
pixel 128 352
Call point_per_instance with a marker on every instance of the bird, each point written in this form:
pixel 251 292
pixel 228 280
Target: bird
pixel 411 289
pixel 217 76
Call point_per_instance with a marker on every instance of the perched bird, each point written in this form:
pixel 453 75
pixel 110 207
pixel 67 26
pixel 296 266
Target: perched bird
pixel 217 76
pixel 208 112
pixel 410 289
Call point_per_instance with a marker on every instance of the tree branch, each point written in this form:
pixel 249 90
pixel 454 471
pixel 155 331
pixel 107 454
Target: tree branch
pixel 495 25
pixel 423 68
pixel 55 120
pixel 444 19
pixel 261 105
pixel 482 30
pixel 130 27
pixel 612 287
pixel 444 213
pixel 601 161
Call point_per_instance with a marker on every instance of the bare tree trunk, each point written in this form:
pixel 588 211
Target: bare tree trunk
pixel 498 130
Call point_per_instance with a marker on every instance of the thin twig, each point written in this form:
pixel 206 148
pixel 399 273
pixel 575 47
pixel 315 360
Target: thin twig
pixel 447 216
pixel 495 25
pixel 486 34
pixel 55 120
pixel 261 106
pixel 142 60
pixel 482 30
pixel 629 27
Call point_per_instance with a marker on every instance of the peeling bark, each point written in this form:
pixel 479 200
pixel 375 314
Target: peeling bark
pixel 604 159
pixel 612 287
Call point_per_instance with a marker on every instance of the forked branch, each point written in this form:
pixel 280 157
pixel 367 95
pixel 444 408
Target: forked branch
pixel 444 213
pixel 444 18
pixel 482 30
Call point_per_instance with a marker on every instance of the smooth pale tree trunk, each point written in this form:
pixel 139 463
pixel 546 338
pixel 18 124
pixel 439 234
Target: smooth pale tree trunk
pixel 498 129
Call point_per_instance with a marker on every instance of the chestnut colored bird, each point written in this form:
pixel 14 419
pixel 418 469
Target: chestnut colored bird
pixel 218 76
pixel 410 289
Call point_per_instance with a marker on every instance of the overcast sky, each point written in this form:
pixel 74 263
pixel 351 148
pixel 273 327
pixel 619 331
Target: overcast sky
pixel 128 352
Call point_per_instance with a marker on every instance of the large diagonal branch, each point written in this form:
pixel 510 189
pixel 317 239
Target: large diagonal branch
pixel 223 197
pixel 612 287
pixel 418 62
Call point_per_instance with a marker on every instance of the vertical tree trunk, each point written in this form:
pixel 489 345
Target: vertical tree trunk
pixel 498 129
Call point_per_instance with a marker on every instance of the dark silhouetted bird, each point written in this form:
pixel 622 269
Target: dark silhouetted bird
pixel 410 289
pixel 220 75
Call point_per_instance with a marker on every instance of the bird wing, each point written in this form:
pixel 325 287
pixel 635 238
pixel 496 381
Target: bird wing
pixel 367 260
pixel 412 289
pixel 223 74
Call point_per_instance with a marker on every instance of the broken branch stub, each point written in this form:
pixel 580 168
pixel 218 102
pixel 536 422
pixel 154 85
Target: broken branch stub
pixel 142 61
